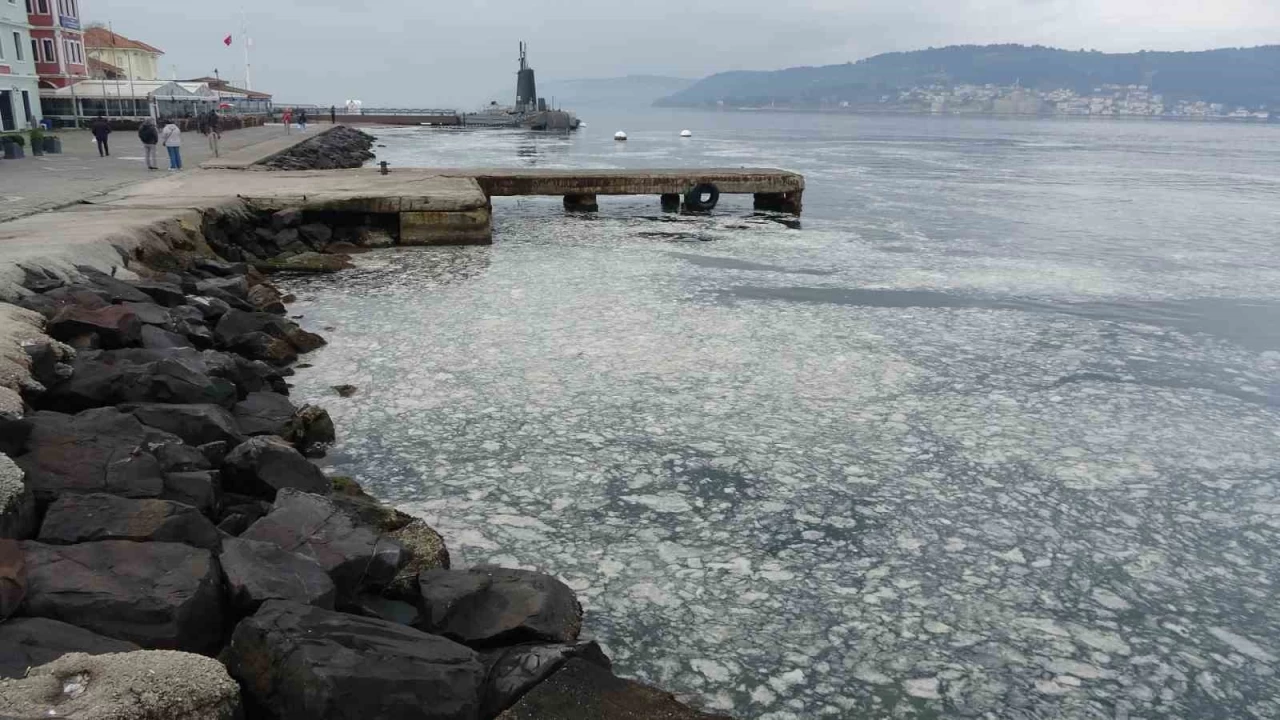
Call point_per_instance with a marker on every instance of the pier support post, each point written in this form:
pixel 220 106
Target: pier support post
pixel 670 202
pixel 787 202
pixel 581 203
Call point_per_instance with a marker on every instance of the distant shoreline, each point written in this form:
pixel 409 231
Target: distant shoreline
pixel 1009 116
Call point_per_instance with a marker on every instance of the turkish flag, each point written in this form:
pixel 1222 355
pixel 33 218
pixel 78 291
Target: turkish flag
pixel 227 41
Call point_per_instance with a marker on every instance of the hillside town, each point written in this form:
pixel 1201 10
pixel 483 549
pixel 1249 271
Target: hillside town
pixel 1102 101
pixel 56 71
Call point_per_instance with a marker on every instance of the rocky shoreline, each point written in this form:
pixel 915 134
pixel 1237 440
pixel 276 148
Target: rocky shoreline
pixel 168 550
pixel 338 148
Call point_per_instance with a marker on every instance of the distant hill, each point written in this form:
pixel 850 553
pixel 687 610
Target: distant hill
pixel 629 91
pixel 1246 76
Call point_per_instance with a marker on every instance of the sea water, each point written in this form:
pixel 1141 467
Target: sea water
pixel 992 431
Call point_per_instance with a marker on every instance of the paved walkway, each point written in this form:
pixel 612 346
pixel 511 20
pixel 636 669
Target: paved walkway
pixel 37 184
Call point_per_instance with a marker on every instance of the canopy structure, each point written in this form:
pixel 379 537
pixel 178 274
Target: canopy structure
pixel 128 99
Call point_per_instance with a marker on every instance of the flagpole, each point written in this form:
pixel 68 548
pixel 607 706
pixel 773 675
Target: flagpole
pixel 244 23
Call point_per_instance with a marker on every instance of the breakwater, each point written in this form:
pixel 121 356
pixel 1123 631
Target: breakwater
pixel 156 499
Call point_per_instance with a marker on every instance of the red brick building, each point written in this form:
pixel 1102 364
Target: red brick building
pixel 57 43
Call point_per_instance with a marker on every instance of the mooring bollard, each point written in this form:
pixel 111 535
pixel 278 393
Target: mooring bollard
pixel 384 165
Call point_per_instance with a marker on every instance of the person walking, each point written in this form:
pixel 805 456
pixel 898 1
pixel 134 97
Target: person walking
pixel 333 114
pixel 302 120
pixel 101 129
pixel 215 131
pixel 171 136
pixel 149 136
pixel 287 117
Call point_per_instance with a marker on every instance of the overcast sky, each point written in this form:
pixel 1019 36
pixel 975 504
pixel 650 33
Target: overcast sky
pixel 458 53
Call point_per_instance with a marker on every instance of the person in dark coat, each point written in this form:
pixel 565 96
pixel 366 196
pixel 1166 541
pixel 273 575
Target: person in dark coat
pixel 101 129
pixel 333 114
pixel 150 137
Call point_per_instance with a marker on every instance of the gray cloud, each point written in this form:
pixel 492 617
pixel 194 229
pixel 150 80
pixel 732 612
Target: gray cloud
pixel 457 53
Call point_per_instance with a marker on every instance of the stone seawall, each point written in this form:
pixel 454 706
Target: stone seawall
pixel 338 148
pixel 157 499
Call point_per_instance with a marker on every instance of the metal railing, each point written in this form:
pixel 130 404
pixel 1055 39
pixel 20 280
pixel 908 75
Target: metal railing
pixel 399 111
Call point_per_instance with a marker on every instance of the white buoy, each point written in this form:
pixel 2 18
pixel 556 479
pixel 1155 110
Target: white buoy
pixel 620 136
pixel 686 133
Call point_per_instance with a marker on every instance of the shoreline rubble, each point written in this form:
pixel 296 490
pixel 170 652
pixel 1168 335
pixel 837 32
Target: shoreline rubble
pixel 156 493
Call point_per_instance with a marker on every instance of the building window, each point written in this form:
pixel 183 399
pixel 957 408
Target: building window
pixel 35 50
pixel 50 51
pixel 42 7
pixel 75 8
pixel 2 48
pixel 17 46
pixel 29 8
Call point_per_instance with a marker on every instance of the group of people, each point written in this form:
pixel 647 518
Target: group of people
pixel 166 133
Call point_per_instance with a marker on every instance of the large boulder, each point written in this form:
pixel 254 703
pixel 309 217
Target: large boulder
pixel 163 293
pixel 264 465
pixel 510 672
pixel 139 685
pixel 303 663
pixel 115 290
pixel 237 324
pixel 13 577
pixel 157 594
pixel 582 690
pixel 266 298
pixel 149 313
pixel 256 572
pixel 115 326
pixel 18 517
pixel 75 519
pixel 102 450
pixel 264 413
pixel 355 556
pixel 487 606
pixel 157 338
pixel 306 262
pixel 177 375
pixel 201 489
pixel 312 430
pixel 30 642
pixel 426 550
pixel 262 347
pixel 195 424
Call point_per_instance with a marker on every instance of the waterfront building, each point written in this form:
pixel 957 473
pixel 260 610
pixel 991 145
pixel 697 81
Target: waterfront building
pixel 131 59
pixel 19 82
pixel 236 99
pixel 57 42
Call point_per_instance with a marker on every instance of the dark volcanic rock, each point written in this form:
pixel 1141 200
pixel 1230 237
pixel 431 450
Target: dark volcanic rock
pixel 264 413
pixel 195 424
pixel 115 325
pixel 339 148
pixel 164 293
pixel 149 313
pixel 117 291
pixel 220 268
pixel 312 429
pixel 266 299
pixel 355 556
pixel 289 218
pixel 258 571
pixel 212 308
pixel 133 376
pixel 13 577
pixel 159 595
pixel 236 324
pixel 488 606
pixel 263 465
pixel 201 489
pixel 31 642
pixel 510 672
pixel 101 450
pixel 581 690
pixel 75 519
pixel 317 235
pixel 180 457
pixel 158 338
pixel 306 262
pixel 236 286
pixel 304 663
pixel 263 347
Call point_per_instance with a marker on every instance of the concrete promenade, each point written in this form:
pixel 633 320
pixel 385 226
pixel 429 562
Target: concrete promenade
pixel 37 184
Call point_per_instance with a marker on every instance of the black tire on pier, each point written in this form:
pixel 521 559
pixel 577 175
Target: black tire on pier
pixel 702 198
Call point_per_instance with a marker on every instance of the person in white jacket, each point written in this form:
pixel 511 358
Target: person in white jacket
pixel 171 138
